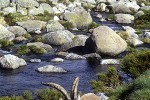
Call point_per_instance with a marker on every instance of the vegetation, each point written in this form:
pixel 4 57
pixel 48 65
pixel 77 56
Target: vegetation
pixel 24 50
pixel 142 22
pixel 67 24
pixel 28 36
pixel 43 94
pixel 111 16
pixel 5 43
pixel 136 63
pixel 38 38
pixel 48 2
pixel 139 89
pixel 146 2
pixel 106 81
pixel 123 34
pixel 93 25
pixel 145 40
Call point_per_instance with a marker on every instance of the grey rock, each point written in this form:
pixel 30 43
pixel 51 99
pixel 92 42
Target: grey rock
pixel 134 41
pixel 57 60
pixel 110 61
pixel 36 11
pixel 58 37
pixel 46 7
pixel 5 34
pixel 51 68
pixel 35 60
pixel 32 25
pixel 124 18
pixel 27 3
pixel 4 3
pixel 11 62
pixel 17 30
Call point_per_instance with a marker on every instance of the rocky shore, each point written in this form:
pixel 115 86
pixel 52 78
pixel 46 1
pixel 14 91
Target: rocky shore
pixel 66 29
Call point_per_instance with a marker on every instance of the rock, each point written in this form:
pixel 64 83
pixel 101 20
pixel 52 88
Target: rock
pixel 70 56
pixel 56 18
pixel 54 26
pixel 99 16
pixel 35 60
pixel 130 31
pixel 57 60
pixel 5 34
pixel 146 35
pixel 138 14
pixel 93 58
pixel 2 21
pixel 124 18
pixel 46 7
pixel 27 3
pixel 101 7
pixel 47 47
pixel 105 41
pixel 125 6
pixel 79 40
pixel 90 1
pixel 22 10
pixel 102 96
pixel 110 61
pixel 58 37
pixel 11 62
pixel 17 30
pixel 32 25
pixel 36 11
pixel 90 96
pixel 4 3
pixel 145 8
pixel 134 41
pixel 51 68
pixel 79 19
pixel 8 10
pixel 20 39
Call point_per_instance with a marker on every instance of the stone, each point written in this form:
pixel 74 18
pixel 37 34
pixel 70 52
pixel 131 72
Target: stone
pixel 58 37
pixel 145 8
pixel 27 3
pixel 130 31
pixel 93 58
pixel 32 25
pixel 36 11
pixel 90 96
pixel 2 21
pixel 80 19
pixel 138 14
pixel 46 7
pixel 105 41
pixel 5 34
pixel 11 62
pixel 102 96
pixel 17 30
pixel 54 26
pixel 51 68
pixel 124 18
pixel 101 7
pixel 110 61
pixel 146 35
pixel 4 3
pixel 35 60
pixel 56 18
pixel 8 10
pixel 134 41
pixel 47 47
pixel 20 39
pixel 57 60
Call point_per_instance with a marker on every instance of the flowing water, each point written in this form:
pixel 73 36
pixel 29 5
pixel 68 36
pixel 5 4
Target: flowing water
pixel 13 82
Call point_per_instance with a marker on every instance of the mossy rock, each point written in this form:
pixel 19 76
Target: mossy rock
pixel 23 50
pixel 37 50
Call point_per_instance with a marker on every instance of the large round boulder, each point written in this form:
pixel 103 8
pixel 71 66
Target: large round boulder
pixel 11 62
pixel 58 37
pixel 105 41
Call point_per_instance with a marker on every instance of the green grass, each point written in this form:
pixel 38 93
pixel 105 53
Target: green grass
pixel 93 25
pixel 66 24
pixel 5 43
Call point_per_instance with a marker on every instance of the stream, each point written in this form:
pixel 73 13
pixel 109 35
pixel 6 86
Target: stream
pixel 15 82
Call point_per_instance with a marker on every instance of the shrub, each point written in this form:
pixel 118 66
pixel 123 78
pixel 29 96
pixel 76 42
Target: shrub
pixel 136 63
pixel 37 50
pixel 38 38
pixel 23 50
pixel 48 94
pixel 27 95
pixel 5 43
pixel 93 25
pixel 106 81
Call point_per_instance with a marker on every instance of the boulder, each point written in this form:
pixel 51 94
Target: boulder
pixel 145 8
pixel 146 34
pixel 47 47
pixel 124 18
pixel 32 25
pixel 138 14
pixel 4 3
pixel 70 56
pixel 93 58
pixel 54 26
pixel 110 61
pixel 17 30
pixel 27 3
pixel 5 34
pixel 79 40
pixel 20 39
pixel 46 7
pixel 134 41
pixel 35 60
pixel 57 60
pixel 58 37
pixel 90 96
pixel 130 31
pixel 80 19
pixel 51 68
pixel 8 10
pixel 105 41
pixel 36 11
pixel 11 62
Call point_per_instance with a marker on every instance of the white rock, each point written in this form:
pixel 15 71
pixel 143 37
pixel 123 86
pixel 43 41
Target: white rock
pixel 57 60
pixel 51 68
pixel 11 62
pixel 110 61
pixel 56 18
pixel 102 96
pixel 35 60
pixel 134 41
